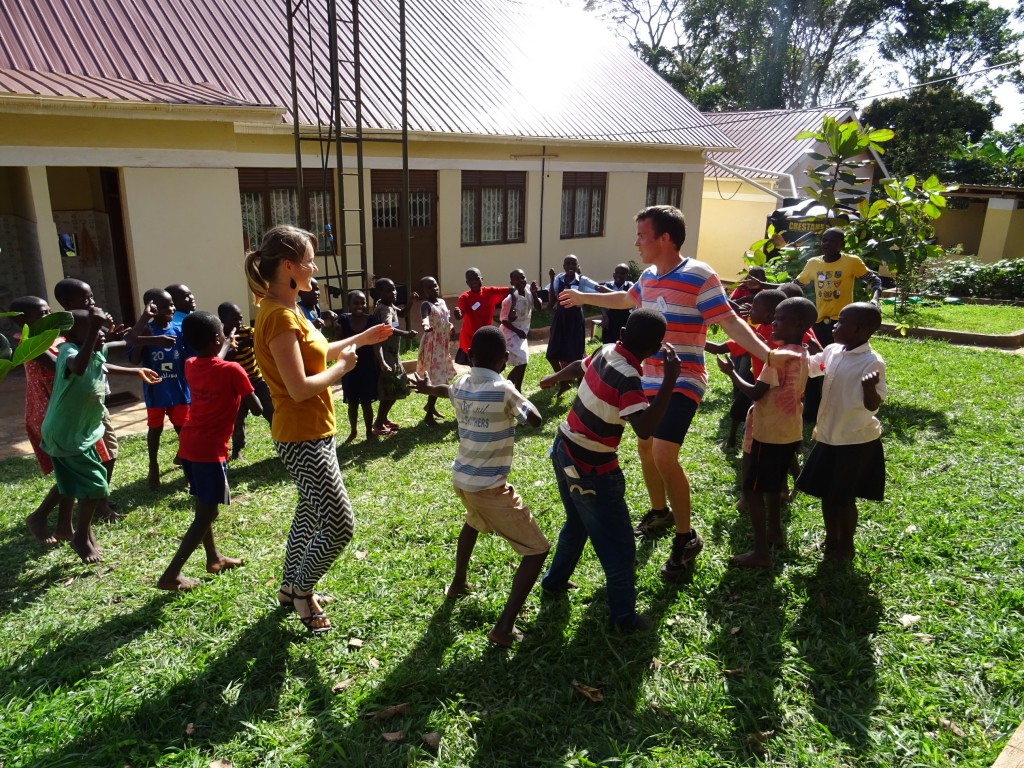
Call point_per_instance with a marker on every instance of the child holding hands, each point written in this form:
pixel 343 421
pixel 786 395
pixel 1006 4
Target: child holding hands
pixel 393 383
pixel 847 461
pixel 776 427
pixel 218 387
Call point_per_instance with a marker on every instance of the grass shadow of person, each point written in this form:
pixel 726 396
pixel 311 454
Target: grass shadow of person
pixel 18 548
pixel 746 608
pixel 834 634
pixel 906 421
pixel 236 689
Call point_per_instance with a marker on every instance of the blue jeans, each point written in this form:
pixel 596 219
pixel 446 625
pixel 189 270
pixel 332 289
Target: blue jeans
pixel 595 508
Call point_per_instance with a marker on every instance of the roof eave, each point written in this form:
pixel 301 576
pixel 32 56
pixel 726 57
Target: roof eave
pixel 75 105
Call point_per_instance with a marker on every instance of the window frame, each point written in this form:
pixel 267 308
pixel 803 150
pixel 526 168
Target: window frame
pixel 264 181
pixel 572 182
pixel 670 179
pixel 474 183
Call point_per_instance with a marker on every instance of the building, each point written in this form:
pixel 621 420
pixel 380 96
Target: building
pixel 143 144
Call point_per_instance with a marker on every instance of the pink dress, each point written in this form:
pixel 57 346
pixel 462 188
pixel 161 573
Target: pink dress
pixel 435 358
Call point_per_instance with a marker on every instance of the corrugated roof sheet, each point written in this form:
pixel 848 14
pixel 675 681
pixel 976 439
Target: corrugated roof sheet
pixel 52 84
pixel 766 138
pixel 519 68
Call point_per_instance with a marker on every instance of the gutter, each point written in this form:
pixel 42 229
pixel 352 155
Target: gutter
pixel 67 105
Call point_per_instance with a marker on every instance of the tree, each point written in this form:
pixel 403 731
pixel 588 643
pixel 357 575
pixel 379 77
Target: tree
pixel 996 160
pixel 931 124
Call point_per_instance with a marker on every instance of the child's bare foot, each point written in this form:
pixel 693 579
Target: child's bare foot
pixel 224 564
pixel 455 591
pixel 106 512
pixel 64 531
pixel 177 584
pixel 85 547
pixel 505 639
pixel 153 479
pixel 38 528
pixel 777 539
pixel 430 420
pixel 751 559
pixel 351 437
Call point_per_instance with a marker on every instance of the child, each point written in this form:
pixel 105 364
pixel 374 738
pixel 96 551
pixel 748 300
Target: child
pixel 584 455
pixel 434 362
pixel 324 321
pixel 747 289
pixel 614 320
pixel 762 309
pixel 359 386
pixel 157 342
pixel 776 428
pixel 393 383
pixel 184 303
pixel 567 338
pixel 475 308
pixel 218 387
pixel 74 294
pixel 487 407
pixel 847 461
pixel 243 353
pixel 516 311
pixel 74 423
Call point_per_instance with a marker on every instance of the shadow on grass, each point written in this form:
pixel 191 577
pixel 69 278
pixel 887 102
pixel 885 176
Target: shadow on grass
pixel 492 698
pixel 833 634
pixel 19 469
pixel 906 421
pixel 252 669
pixel 18 547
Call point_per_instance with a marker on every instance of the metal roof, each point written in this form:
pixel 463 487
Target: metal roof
pixel 766 137
pixel 61 85
pixel 501 68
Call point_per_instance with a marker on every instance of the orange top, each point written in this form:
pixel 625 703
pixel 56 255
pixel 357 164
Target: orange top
pixel 294 422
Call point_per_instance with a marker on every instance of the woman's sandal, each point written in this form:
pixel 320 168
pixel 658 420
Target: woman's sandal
pixel 314 615
pixel 286 598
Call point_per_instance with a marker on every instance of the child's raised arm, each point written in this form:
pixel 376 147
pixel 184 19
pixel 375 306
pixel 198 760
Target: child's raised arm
pixel 871 397
pixel 147 375
pixel 571 372
pixel 424 387
pixel 753 391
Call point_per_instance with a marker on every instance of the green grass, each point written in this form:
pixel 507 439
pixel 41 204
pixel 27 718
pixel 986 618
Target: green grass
pixel 970 318
pixel 809 665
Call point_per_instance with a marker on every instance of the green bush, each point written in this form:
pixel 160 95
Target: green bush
pixel 999 280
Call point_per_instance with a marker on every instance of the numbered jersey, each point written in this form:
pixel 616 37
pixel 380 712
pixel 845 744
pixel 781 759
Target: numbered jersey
pixel 169 362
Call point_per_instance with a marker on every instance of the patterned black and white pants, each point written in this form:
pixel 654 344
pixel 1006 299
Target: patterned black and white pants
pixel 323 522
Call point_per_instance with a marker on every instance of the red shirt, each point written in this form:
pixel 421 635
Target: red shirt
pixel 218 387
pixel 765 332
pixel 477 311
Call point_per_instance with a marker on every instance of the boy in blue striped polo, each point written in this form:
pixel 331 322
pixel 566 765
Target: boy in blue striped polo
pixel 487 407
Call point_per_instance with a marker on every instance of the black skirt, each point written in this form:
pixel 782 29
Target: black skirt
pixel 567 338
pixel 842 473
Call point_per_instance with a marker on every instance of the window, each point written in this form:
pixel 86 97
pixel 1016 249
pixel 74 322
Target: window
pixel 664 188
pixel 270 196
pixel 493 207
pixel 583 204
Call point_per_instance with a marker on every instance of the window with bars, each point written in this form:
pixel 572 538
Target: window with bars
pixel 493 207
pixel 386 209
pixel 664 188
pixel 269 197
pixel 583 197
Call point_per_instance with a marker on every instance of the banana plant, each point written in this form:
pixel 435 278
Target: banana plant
pixel 35 339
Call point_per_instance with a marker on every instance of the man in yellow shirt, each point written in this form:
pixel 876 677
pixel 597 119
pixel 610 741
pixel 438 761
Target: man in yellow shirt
pixel 832 275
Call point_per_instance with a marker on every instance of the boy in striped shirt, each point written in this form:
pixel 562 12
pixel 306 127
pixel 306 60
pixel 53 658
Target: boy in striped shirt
pixel 487 408
pixel 592 487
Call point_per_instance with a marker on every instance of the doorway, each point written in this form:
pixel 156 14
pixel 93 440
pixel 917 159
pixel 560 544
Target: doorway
pixel 386 208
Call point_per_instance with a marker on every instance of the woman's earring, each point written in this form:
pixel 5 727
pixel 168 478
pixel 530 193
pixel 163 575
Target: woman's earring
pixel 292 283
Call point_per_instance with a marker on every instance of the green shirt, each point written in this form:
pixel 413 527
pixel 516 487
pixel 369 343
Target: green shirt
pixel 74 418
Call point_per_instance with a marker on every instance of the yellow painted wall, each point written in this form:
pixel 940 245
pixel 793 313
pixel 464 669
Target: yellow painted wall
pixel 732 218
pixel 1015 236
pixel 184 225
pixel 961 227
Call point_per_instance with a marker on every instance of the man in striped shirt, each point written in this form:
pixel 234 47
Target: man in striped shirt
pixel 690 296
pixel 590 483
pixel 487 408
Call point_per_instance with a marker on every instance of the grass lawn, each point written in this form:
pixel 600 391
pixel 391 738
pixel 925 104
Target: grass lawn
pixel 970 318
pixel 912 657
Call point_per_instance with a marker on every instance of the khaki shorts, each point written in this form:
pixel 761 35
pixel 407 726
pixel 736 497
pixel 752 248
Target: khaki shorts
pixel 502 511
pixel 109 438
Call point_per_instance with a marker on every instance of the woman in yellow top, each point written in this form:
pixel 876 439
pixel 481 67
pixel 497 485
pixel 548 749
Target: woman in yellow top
pixel 293 357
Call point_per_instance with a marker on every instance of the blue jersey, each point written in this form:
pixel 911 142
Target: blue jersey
pixel 170 364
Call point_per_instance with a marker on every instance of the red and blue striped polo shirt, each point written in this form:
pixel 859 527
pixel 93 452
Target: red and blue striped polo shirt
pixel 690 297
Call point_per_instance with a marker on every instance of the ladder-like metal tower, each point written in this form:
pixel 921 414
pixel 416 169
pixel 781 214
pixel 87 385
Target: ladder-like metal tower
pixel 344 237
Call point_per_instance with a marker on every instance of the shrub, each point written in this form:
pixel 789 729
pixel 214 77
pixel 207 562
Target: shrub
pixel 1000 280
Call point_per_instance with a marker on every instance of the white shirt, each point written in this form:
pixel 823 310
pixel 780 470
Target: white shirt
pixel 842 417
